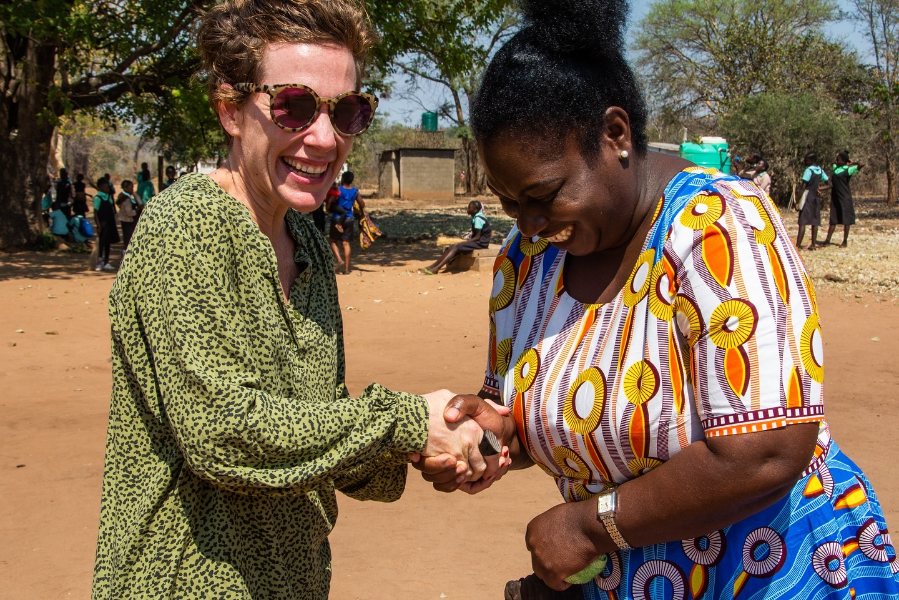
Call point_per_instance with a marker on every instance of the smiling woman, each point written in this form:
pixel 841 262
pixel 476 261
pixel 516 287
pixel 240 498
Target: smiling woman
pixel 230 425
pixel 649 365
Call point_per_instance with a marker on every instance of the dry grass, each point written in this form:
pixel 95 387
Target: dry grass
pixel 870 264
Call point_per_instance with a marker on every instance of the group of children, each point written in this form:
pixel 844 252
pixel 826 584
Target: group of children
pixel 842 209
pixel 66 214
pixel 808 201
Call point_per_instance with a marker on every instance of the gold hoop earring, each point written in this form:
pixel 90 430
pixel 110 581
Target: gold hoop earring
pixel 623 156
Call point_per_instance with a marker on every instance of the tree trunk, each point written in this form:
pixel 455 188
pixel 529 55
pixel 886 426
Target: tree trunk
pixel 474 176
pixel 891 180
pixel 25 135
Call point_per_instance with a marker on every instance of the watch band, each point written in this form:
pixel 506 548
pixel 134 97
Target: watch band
pixel 606 509
pixel 489 445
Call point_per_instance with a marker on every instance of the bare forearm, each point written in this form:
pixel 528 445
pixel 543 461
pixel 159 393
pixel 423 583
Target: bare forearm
pixel 520 457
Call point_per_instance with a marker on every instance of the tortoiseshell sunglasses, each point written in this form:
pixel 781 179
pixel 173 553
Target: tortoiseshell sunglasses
pixel 294 107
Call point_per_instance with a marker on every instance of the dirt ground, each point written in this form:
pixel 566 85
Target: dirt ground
pixel 404 330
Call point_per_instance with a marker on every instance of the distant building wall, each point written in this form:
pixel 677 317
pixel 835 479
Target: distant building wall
pixel 388 174
pixel 426 173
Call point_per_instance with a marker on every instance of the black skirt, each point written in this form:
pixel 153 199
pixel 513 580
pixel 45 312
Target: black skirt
pixel 842 209
pixel 811 210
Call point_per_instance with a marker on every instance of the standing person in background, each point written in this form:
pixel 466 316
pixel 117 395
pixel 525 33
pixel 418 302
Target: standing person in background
pixel 64 193
pixel 145 187
pixel 842 209
pixel 762 178
pixel 342 221
pixel 319 215
pixel 107 233
pixel 171 176
pixel 749 167
pixel 109 183
pixel 129 211
pixel 809 204
pixel 79 206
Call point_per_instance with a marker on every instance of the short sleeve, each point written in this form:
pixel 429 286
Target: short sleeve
pixel 824 176
pixel 807 175
pixel 478 221
pixel 746 311
pixel 853 169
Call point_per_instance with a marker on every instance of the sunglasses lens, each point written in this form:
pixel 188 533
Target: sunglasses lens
pixel 294 108
pixel 352 114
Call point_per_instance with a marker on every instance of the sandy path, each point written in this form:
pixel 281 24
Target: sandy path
pixel 417 338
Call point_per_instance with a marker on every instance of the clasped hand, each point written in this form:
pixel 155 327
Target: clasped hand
pixel 451 460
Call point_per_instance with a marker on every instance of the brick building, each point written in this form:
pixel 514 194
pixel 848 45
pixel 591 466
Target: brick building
pixel 417 173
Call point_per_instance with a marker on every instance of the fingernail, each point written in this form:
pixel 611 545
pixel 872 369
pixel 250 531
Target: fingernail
pixel 453 413
pixel 460 479
pixel 449 463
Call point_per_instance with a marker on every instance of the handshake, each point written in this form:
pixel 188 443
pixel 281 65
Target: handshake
pixel 458 441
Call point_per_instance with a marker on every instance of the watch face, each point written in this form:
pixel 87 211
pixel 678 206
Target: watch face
pixel 606 504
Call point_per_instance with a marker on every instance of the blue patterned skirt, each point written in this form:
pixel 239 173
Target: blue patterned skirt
pixel 826 539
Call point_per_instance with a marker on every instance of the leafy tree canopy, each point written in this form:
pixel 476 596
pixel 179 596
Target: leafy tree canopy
pixel 783 127
pixel 705 56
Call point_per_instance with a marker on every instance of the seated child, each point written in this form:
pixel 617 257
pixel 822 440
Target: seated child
pixel 77 230
pixel 477 238
pixel 59 223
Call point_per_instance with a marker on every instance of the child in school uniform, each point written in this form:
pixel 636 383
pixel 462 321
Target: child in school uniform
pixel 477 238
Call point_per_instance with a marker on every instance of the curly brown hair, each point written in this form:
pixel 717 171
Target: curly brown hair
pixel 233 36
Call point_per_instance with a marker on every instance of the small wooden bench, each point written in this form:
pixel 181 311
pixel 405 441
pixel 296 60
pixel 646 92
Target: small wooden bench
pixel 476 260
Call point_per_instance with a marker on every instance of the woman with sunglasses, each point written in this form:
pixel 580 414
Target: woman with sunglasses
pixel 230 425
pixel 656 337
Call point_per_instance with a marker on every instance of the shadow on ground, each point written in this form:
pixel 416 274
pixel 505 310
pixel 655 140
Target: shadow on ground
pixel 55 264
pixel 391 254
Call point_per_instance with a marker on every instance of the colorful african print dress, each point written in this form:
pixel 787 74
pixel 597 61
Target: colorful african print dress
pixel 715 333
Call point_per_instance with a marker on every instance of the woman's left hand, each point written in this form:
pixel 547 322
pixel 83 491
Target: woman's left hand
pixel 560 543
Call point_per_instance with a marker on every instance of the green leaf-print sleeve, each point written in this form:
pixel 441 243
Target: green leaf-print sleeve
pixel 214 384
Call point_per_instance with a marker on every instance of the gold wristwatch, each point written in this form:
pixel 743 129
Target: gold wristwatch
pixel 606 509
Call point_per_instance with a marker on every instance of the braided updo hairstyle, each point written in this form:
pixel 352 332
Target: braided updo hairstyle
pixel 233 36
pixel 559 74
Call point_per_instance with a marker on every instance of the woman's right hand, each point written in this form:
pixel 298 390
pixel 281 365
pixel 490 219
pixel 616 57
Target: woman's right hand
pixel 447 476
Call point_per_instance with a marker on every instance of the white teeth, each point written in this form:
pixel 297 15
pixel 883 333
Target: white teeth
pixel 562 236
pixel 306 169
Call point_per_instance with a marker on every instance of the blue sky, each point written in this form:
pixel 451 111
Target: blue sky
pixel 409 112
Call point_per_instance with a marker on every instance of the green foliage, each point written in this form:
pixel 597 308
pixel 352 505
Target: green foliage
pixel 179 121
pixel 783 128
pixel 456 34
pixel 705 56
pixel 102 50
pixel 879 20
pixel 446 43
pixel 45 242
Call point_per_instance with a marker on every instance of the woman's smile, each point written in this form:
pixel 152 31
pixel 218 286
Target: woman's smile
pixel 561 237
pixel 305 172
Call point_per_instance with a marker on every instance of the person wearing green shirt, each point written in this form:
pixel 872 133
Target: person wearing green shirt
pixel 842 209
pixel 145 187
pixel 230 425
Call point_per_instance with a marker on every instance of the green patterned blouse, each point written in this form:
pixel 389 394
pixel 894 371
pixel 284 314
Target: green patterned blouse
pixel 230 425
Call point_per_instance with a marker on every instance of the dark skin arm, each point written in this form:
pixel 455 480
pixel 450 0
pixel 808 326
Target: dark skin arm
pixel 709 485
pixel 716 482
